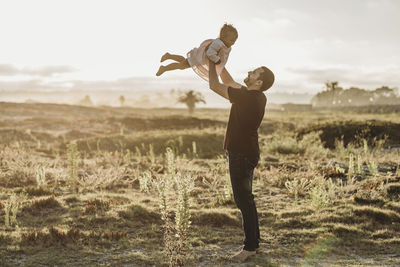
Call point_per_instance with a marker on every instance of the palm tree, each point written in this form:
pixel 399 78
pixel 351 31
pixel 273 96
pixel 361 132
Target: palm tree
pixel 190 98
pixel 331 86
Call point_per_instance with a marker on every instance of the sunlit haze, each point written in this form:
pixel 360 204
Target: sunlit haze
pixel 116 45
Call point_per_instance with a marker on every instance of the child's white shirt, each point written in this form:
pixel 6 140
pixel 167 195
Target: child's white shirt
pixel 214 48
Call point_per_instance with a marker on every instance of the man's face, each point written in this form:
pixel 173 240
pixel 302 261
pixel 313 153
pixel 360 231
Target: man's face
pixel 253 76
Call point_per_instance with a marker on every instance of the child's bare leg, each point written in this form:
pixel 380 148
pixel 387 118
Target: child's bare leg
pixel 173 66
pixel 177 58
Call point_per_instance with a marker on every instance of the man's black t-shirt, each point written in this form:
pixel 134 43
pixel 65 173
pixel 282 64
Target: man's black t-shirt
pixel 245 117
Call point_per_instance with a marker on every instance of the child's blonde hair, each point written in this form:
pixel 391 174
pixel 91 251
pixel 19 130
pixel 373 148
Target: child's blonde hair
pixel 227 28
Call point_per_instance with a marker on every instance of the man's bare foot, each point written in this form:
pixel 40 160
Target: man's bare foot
pixel 165 57
pixel 160 71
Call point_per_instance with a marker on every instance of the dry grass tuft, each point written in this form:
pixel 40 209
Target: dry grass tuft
pixel 393 191
pixel 70 200
pixel 35 191
pixel 295 223
pixel 295 213
pixel 141 214
pixel 55 235
pixel 383 233
pixel 37 206
pixel 214 218
pixel 33 237
pixel 5 239
pixel 110 235
pixel 380 215
pixel 362 200
pixel 346 231
pixel 96 205
pixel 395 206
pixel 17 178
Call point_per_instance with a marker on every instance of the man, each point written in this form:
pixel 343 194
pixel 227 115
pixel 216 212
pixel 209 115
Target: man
pixel 241 143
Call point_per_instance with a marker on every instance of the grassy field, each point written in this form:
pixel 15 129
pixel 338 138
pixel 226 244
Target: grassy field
pixel 109 186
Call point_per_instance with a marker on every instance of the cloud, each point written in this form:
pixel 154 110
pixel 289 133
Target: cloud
pixel 129 84
pixel 30 85
pixel 10 70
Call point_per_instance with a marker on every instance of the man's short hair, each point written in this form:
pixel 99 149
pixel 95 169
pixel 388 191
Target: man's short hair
pixel 267 77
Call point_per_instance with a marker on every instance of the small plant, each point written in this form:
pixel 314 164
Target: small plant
pixel 13 206
pixel 40 176
pixel 145 182
pixel 7 208
pixel 138 154
pixel 182 217
pixel 175 234
pixel 373 167
pixel 151 154
pixel 96 205
pixel 98 145
pixel 351 165
pixel 73 159
pixel 359 164
pixel 163 186
pixel 297 187
pixel 284 144
pixel 180 143
pixel 127 157
pixel 365 146
pixel 102 178
pixel 339 169
pixel 121 143
pixel 319 196
pixel 194 149
pixel 340 148
pixel 213 188
pixel 170 161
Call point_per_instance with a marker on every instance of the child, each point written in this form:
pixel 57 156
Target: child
pixel 216 50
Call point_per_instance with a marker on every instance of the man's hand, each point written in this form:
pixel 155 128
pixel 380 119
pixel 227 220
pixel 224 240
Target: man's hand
pixel 214 83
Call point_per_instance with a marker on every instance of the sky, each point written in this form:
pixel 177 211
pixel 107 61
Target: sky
pixel 116 45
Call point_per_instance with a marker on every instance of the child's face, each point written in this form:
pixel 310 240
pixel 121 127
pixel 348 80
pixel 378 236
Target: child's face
pixel 229 39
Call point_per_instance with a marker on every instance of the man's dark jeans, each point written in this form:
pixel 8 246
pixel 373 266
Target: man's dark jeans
pixel 241 168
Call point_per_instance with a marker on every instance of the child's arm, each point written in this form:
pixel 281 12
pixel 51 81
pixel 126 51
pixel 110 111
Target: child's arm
pixel 213 49
pixel 228 80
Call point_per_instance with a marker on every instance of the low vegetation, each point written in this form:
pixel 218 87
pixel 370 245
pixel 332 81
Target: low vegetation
pixel 83 192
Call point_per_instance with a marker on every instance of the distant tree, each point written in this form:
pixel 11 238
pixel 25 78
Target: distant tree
pixel 190 98
pixel 354 97
pixel 385 96
pixel 336 96
pixel 331 86
pixel 86 101
pixel 122 100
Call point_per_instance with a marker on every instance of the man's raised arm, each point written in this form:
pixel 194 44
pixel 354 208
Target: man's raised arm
pixel 228 80
pixel 214 83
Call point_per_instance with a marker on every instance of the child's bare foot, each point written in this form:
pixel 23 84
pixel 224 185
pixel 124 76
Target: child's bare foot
pixel 165 57
pixel 160 71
